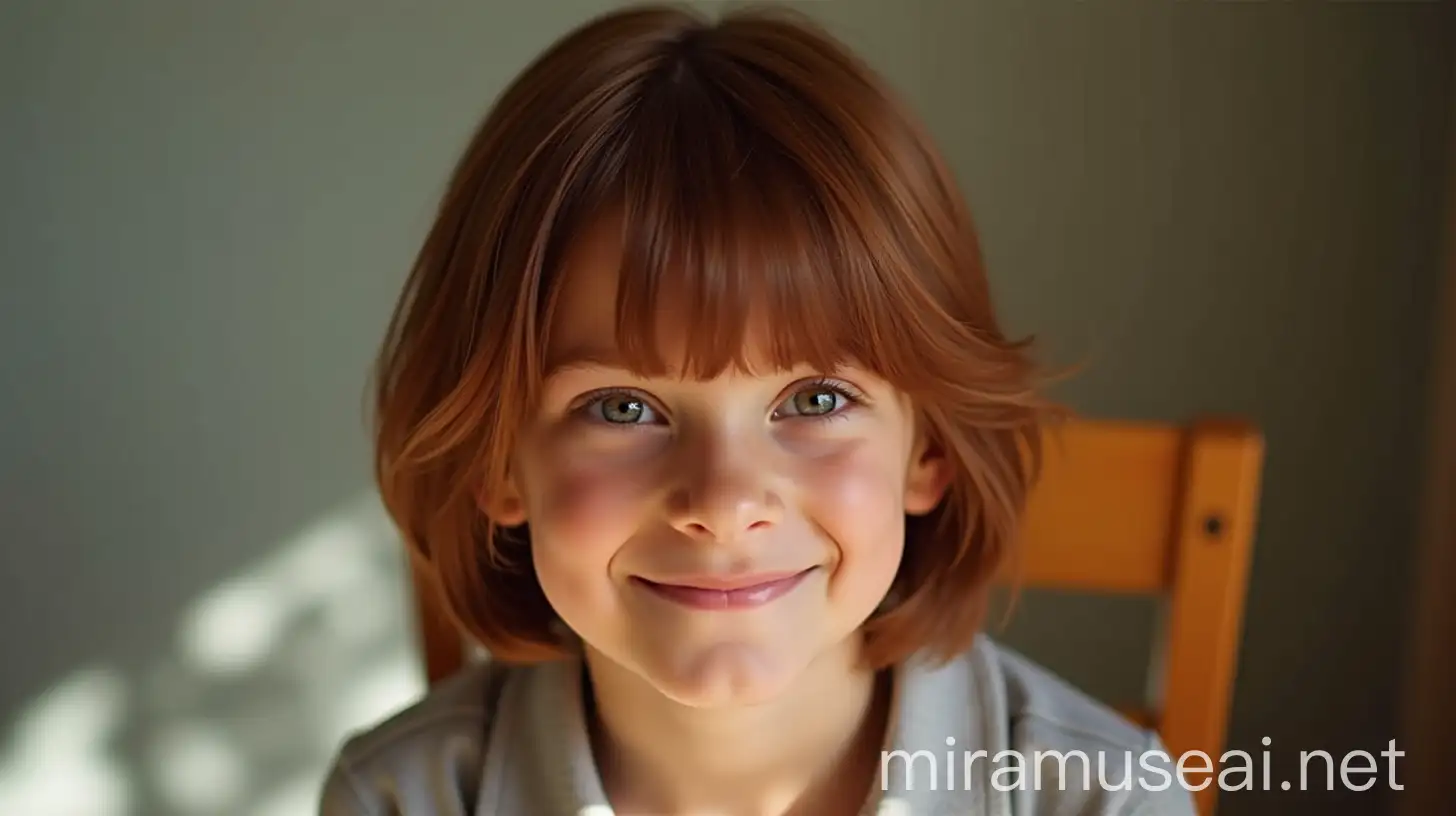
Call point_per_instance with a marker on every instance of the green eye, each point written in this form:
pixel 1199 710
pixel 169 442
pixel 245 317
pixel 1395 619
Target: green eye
pixel 623 409
pixel 816 402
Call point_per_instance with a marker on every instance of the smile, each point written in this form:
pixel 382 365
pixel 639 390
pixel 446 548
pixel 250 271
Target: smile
pixel 746 592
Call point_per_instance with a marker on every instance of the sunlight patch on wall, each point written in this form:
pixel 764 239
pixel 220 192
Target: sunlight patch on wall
pixel 198 768
pixel 233 629
pixel 297 797
pixel 239 624
pixel 271 670
pixel 387 686
pixel 57 761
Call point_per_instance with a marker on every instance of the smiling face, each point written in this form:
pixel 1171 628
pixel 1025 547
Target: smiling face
pixel 712 536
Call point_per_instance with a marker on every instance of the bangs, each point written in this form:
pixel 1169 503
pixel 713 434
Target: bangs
pixel 727 261
pixel 751 234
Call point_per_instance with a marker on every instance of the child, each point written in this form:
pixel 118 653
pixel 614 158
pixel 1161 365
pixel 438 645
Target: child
pixel 697 407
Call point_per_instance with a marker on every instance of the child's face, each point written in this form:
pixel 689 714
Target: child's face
pixel 635 486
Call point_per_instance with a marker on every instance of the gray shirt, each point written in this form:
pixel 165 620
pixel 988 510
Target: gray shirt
pixel 988 734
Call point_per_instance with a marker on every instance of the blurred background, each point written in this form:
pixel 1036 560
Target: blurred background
pixel 209 208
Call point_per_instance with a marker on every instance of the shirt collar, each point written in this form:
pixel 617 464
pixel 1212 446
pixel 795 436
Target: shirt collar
pixel 539 759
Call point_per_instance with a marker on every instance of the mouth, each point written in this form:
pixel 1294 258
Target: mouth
pixel 743 592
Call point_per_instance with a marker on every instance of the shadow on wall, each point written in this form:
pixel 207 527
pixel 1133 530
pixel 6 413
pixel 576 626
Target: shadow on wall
pixel 269 672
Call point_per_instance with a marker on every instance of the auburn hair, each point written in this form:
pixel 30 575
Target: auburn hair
pixel 756 165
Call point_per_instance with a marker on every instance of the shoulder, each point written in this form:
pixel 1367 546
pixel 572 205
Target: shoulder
pixel 422 758
pixel 1043 706
pixel 1077 752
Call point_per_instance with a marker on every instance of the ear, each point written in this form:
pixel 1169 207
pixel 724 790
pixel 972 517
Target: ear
pixel 927 477
pixel 505 505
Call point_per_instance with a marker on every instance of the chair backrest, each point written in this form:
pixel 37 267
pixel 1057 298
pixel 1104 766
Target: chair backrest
pixel 1162 510
pixel 1122 507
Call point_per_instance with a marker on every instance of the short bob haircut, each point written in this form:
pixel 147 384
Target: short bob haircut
pixel 757 166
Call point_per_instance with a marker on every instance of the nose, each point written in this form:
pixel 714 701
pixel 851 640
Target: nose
pixel 725 491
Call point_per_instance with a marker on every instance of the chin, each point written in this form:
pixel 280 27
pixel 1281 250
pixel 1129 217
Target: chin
pixel 729 675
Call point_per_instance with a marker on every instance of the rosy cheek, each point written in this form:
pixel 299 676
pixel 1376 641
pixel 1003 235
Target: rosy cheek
pixel 585 506
pixel 854 498
pixel 852 486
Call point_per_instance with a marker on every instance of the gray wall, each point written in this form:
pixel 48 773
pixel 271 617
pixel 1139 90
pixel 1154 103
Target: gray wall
pixel 208 209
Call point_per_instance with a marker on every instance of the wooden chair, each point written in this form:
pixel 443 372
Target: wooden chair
pixel 1122 507
pixel 1163 510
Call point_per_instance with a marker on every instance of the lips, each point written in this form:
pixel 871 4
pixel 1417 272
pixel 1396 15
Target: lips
pixel 744 592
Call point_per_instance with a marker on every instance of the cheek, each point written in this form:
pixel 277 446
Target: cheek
pixel 857 484
pixel 580 517
pixel 855 496
pixel 581 513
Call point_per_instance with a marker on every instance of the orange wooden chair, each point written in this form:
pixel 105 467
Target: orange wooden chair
pixel 1122 507
pixel 1165 510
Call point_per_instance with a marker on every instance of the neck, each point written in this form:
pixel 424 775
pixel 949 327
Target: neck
pixel 791 755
